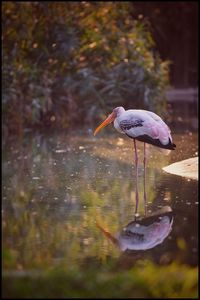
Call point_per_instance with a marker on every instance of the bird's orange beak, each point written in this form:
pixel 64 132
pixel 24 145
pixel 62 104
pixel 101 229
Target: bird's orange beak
pixel 107 121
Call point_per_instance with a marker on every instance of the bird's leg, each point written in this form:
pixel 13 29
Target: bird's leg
pixel 145 196
pixel 136 165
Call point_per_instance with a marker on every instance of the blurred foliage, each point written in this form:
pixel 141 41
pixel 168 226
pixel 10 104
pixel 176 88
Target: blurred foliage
pixel 145 280
pixel 65 62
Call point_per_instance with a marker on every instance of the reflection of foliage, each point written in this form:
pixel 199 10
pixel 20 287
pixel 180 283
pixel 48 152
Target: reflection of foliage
pixel 69 191
pixel 61 60
pixel 50 205
pixel 60 192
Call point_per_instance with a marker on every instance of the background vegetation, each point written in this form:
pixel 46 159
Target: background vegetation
pixel 67 63
pixel 145 280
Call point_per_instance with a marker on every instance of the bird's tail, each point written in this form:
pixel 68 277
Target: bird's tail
pixel 171 146
pixel 156 142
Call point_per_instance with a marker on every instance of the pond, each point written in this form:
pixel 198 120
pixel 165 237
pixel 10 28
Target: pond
pixel 68 197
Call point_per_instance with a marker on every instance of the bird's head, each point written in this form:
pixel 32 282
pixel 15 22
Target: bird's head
pixel 115 113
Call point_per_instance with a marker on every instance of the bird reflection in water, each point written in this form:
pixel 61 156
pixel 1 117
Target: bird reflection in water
pixel 145 233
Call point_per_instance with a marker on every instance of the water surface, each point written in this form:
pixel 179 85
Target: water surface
pixel 56 189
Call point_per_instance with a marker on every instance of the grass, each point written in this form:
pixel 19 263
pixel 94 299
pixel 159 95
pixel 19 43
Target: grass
pixel 143 280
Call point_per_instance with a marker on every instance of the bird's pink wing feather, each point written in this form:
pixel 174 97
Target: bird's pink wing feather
pixel 139 123
pixel 158 130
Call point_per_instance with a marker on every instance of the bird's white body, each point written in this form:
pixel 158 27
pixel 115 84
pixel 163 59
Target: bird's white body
pixel 143 125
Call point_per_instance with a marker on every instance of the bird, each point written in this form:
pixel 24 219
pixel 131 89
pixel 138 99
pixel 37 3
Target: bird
pixel 143 234
pixel 141 125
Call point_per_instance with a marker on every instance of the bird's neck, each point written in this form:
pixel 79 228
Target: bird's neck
pixel 116 125
pixel 120 111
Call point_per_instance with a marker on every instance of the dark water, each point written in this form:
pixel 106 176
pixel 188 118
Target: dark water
pixel 57 189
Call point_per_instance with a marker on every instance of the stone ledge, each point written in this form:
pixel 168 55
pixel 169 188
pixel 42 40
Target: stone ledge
pixel 187 168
